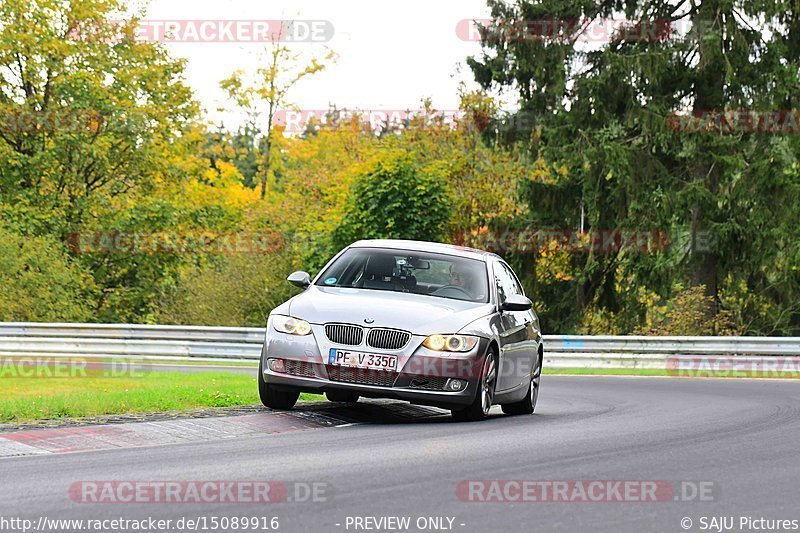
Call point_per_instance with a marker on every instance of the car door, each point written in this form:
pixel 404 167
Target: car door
pixel 514 332
pixel 533 329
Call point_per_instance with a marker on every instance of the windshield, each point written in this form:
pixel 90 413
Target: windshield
pixel 431 274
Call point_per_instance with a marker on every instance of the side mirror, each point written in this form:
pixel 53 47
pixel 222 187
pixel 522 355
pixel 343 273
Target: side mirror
pixel 516 302
pixel 300 279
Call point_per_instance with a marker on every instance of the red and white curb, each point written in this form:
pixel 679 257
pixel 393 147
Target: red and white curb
pixel 156 433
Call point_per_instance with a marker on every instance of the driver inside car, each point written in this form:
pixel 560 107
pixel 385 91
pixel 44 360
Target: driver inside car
pixel 461 278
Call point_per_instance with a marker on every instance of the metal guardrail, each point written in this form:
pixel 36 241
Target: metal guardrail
pixel 228 343
pixel 129 340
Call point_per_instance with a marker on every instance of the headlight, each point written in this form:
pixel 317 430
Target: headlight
pixel 450 343
pixel 291 325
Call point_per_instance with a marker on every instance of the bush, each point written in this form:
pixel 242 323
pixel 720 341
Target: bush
pixel 690 312
pixel 39 281
pixel 396 200
pixel 237 290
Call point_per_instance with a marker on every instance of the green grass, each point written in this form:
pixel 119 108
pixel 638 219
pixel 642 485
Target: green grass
pixel 28 399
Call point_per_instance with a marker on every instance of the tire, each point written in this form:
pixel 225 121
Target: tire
pixel 527 405
pixel 275 399
pixel 342 396
pixel 484 396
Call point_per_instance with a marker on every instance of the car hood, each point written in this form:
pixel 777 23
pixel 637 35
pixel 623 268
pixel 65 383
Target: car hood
pixel 421 315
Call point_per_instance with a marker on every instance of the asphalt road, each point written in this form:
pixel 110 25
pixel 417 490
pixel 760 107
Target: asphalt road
pixel 741 436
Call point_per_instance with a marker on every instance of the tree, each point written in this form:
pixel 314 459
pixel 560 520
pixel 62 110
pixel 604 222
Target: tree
pixel 610 113
pixel 87 111
pixel 165 231
pixel 396 199
pixel 270 88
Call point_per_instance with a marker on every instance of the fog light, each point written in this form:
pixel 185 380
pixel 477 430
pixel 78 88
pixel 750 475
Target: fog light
pixel 276 365
pixel 455 384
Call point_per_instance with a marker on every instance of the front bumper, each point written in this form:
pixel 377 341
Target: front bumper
pixel 421 378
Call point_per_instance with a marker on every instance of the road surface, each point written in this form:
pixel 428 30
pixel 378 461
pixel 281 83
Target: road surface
pixel 735 441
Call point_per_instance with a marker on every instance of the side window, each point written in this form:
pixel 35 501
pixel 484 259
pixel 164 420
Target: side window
pixel 506 284
pixel 517 286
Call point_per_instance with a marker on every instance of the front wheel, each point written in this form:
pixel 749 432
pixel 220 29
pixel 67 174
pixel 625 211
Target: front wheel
pixel 275 399
pixel 527 405
pixel 480 406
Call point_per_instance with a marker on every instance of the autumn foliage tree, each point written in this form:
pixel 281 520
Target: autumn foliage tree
pixel 87 110
pixel 263 95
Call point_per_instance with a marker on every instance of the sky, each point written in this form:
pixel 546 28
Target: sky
pixel 390 55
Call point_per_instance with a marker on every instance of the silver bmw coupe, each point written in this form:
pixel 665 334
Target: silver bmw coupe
pixel 429 323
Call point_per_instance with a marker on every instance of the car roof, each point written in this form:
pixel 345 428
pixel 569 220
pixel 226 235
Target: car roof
pixel 423 246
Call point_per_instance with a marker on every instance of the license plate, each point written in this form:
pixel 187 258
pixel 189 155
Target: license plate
pixel 362 360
